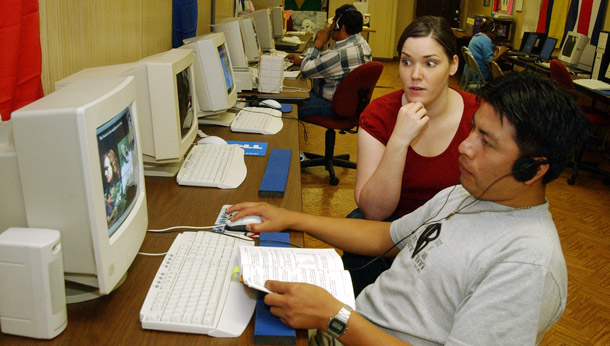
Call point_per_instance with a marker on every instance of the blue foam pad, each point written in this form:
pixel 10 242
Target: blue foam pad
pixel 276 173
pixel 268 329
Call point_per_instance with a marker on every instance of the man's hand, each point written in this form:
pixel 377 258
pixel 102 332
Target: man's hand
pixel 322 37
pixel 273 219
pixel 295 58
pixel 300 305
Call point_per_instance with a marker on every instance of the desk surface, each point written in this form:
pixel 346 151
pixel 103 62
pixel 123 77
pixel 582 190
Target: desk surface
pixel 114 319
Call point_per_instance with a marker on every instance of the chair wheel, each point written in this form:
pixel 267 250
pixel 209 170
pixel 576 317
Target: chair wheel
pixel 334 181
pixel 571 180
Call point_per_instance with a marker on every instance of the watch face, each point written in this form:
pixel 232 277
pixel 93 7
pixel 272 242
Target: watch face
pixel 337 326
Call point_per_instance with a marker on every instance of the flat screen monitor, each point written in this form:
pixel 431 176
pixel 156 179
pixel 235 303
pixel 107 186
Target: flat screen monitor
pixel 80 169
pixel 264 29
pixel 573 46
pixel 530 41
pixel 231 27
pixel 252 47
pixel 215 82
pixel 547 48
pixel 165 86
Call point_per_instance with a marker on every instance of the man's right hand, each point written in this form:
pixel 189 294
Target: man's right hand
pixel 322 37
pixel 295 58
pixel 273 219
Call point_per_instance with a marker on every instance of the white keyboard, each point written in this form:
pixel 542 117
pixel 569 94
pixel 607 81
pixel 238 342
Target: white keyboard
pixel 262 120
pixel 193 291
pixel 592 84
pixel 213 165
pixel 546 65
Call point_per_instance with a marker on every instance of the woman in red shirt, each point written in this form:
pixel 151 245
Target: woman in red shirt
pixel 408 139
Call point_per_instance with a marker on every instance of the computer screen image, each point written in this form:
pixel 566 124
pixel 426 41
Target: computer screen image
pixel 80 168
pixel 166 106
pixel 231 27
pixel 547 48
pixel 572 48
pixel 214 78
pixel 264 28
pixel 252 47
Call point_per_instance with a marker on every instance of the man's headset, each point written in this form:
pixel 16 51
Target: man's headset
pixel 338 21
pixel 525 168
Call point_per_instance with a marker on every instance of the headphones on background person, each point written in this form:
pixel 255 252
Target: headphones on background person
pixel 525 168
pixel 338 21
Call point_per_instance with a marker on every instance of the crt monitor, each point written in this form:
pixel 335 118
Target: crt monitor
pixel 166 105
pixel 547 48
pixel 252 47
pixel 215 82
pixel 573 46
pixel 277 21
pixel 233 36
pixel 80 170
pixel 264 29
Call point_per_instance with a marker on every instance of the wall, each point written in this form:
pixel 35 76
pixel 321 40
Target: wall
pixel 76 34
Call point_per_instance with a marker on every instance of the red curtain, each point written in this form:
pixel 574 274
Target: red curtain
pixel 20 55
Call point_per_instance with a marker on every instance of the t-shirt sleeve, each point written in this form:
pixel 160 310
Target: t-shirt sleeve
pixel 379 117
pixel 502 307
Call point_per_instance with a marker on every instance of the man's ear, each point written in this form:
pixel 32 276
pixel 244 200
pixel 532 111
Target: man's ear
pixel 540 171
pixel 453 65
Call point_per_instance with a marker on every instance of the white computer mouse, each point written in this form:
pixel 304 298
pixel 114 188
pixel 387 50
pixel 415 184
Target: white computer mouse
pixel 271 104
pixel 240 224
pixel 212 140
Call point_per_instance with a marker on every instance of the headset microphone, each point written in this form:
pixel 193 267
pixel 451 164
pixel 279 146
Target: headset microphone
pixel 337 26
pixel 525 168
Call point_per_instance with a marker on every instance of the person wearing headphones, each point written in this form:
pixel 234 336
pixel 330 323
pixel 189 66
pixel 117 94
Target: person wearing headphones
pixel 482 47
pixel 327 68
pixel 478 264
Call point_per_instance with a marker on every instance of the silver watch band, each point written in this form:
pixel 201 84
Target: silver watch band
pixel 337 325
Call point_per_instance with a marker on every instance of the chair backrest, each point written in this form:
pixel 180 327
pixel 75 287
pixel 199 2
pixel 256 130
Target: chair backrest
pixel 472 63
pixel 495 69
pixel 472 77
pixel 560 74
pixel 354 92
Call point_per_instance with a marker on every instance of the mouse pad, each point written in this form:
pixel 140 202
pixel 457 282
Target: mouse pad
pixel 286 108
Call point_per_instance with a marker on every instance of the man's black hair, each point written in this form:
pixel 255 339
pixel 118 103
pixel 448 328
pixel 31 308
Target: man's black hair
pixel 349 16
pixel 547 121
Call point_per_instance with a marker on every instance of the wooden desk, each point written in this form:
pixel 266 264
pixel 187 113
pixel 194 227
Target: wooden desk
pixel 596 95
pixel 114 319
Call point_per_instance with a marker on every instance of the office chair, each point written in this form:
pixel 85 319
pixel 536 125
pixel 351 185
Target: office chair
pixel 351 97
pixel 472 78
pixel 494 69
pixel 561 75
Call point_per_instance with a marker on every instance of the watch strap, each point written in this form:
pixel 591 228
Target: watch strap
pixel 337 325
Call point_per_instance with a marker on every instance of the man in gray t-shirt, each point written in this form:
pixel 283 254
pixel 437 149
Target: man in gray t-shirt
pixel 478 264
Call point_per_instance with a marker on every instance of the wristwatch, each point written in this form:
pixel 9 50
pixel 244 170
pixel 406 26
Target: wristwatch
pixel 337 325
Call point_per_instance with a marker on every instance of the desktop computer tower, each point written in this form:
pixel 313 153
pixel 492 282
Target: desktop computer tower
pixel 602 58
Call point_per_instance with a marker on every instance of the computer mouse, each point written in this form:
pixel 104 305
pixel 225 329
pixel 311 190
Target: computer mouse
pixel 212 140
pixel 240 224
pixel 271 104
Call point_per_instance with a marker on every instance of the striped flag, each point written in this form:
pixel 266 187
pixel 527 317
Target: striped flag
pixel 586 17
pixel 552 18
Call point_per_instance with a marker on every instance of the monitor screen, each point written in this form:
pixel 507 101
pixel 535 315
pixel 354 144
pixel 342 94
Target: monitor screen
pixel 568 46
pixel 547 48
pixel 226 68
pixel 117 149
pixel 573 47
pixel 529 43
pixel 185 101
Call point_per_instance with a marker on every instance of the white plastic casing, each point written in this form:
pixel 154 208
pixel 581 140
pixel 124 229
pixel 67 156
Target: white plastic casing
pixel 32 291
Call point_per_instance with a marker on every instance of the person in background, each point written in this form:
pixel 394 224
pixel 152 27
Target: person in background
pixel 326 68
pixel 482 47
pixel 408 139
pixel 480 263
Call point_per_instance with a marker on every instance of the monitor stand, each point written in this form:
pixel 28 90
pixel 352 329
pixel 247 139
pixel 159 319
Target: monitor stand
pixel 165 169
pixel 77 293
pixel 221 119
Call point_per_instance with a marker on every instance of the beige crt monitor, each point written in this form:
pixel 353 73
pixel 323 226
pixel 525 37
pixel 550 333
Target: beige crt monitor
pixel 216 89
pixel 166 106
pixel 80 170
